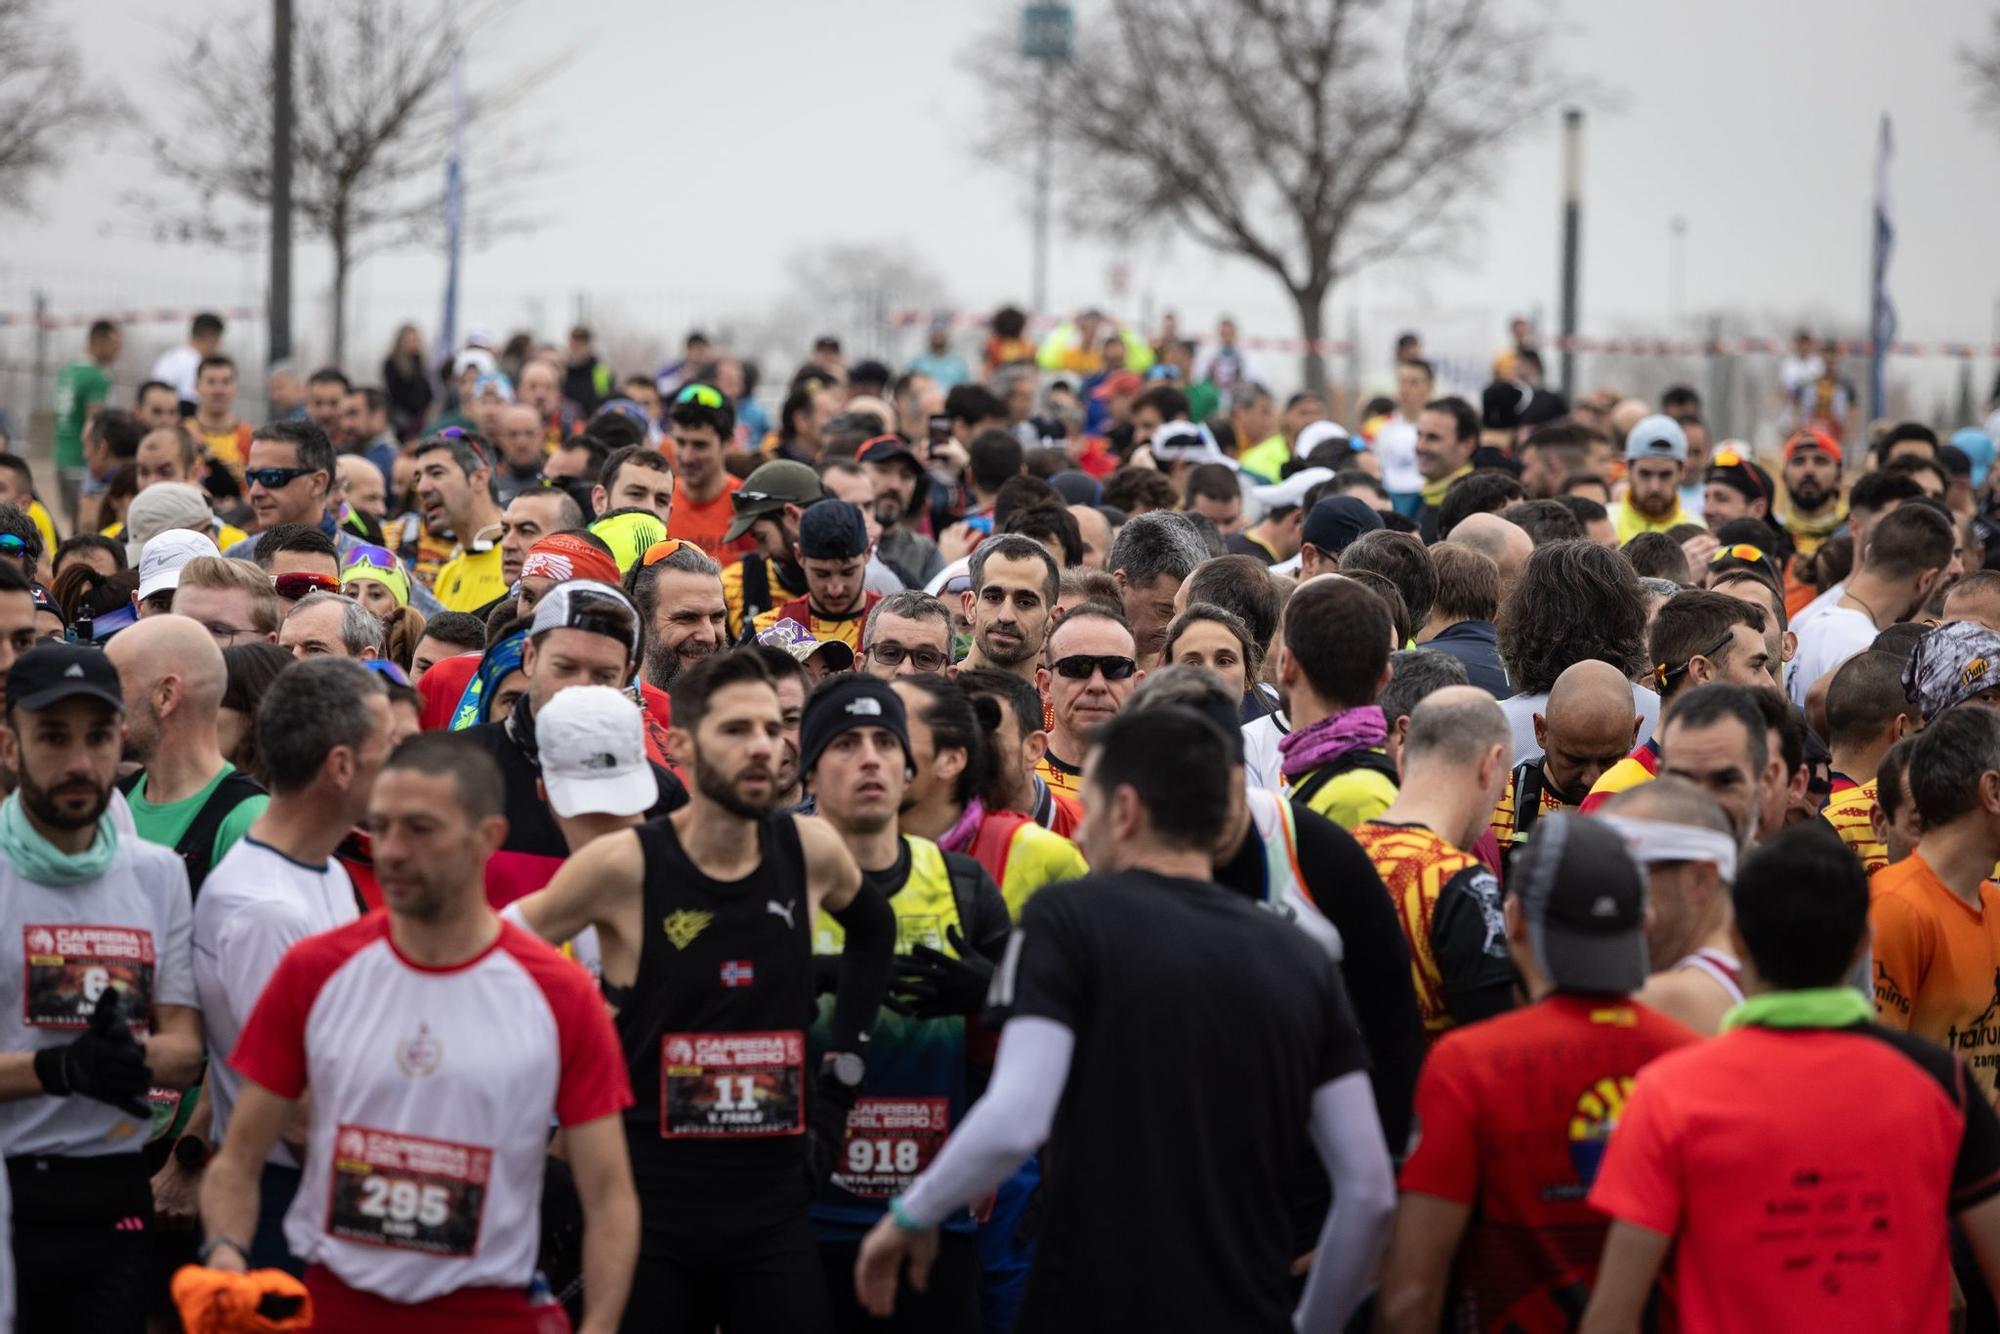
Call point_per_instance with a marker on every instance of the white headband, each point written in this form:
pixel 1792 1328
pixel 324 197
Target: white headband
pixel 1652 841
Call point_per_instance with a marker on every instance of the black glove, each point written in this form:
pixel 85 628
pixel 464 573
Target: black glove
pixel 106 1063
pixel 931 984
pixel 826 1140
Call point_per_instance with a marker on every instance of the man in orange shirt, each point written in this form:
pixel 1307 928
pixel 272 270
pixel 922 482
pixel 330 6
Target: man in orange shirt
pixel 1866 713
pixel 1937 913
pixel 702 421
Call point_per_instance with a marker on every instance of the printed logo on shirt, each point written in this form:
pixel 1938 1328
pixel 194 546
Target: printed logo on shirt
pixel 421 1054
pixel 683 926
pixel 1978 1040
pixel 1889 996
pixel 404 1191
pixel 1590 1125
pixel 738 972
pixel 784 910
pixel 70 968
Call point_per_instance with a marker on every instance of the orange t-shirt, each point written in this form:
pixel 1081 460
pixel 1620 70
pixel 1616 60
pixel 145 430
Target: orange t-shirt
pixel 1937 964
pixel 1849 810
pixel 705 523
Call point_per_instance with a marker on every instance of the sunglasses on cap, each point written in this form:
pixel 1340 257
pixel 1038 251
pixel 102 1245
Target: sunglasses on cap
pixel 659 551
pixel 272 479
pixel 378 559
pixel 298 583
pixel 1741 551
pixel 1727 458
pixel 705 394
pixel 1082 666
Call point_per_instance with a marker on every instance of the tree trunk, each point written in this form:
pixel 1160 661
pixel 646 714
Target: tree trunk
pixel 1311 303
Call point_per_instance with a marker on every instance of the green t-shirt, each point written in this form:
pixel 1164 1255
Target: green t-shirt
pixel 166 824
pixel 80 386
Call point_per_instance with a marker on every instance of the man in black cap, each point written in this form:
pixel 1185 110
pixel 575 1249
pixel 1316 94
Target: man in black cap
pixel 952 927
pixel 705 925
pixel 99 1003
pixel 832 549
pixel 1329 526
pixel 1516 1111
pixel 768 506
pixel 900 487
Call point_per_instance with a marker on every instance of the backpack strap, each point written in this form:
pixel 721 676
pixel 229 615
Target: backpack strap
pixel 1364 757
pixel 1528 784
pixel 197 845
pixel 965 875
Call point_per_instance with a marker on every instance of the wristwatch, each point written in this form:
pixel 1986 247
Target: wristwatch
pixel 845 1066
pixel 214 1244
pixel 192 1152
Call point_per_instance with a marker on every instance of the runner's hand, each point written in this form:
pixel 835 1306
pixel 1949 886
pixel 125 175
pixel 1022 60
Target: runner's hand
pixel 958 540
pixel 105 1062
pixel 176 1195
pixel 879 1265
pixel 929 983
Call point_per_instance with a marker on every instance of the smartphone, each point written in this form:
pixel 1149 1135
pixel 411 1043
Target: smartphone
pixel 940 431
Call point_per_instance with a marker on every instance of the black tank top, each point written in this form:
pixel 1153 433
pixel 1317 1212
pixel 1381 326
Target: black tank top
pixel 714 1025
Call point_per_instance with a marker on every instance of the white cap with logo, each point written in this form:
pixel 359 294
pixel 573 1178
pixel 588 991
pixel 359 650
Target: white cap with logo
pixel 592 742
pixel 161 559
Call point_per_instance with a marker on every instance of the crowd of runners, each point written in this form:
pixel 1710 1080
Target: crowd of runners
pixel 1047 836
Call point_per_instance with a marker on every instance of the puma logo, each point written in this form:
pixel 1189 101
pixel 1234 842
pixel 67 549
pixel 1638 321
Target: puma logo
pixel 776 909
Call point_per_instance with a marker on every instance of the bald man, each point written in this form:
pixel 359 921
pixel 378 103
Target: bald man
pixel 361 486
pixel 1589 724
pixel 1505 544
pixel 1454 770
pixel 187 797
pixel 1684 842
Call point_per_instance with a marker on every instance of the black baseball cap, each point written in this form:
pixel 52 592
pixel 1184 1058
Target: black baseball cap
pixel 847 701
pixel 50 673
pixel 832 530
pixel 887 449
pixel 1335 522
pixel 1584 899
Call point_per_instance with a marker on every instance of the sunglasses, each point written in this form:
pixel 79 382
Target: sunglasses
pixel 1741 551
pixel 1082 666
pixel 705 394
pixel 298 583
pixel 271 479
pixel 12 545
pixel 1664 674
pixel 659 551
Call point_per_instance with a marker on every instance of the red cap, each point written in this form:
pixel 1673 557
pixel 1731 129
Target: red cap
pixel 1118 382
pixel 1813 439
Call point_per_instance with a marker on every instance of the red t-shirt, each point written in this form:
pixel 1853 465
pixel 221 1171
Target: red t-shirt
pixel 1515 1114
pixel 1806 1176
pixel 705 523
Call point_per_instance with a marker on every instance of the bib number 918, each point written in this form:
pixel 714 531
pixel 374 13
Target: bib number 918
pixel 873 1156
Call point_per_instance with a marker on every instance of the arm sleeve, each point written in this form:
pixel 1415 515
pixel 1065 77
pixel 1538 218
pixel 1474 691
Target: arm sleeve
pixel 1445 1162
pixel 869 926
pixel 1349 1143
pixel 1640 1179
pixel 1901 954
pixel 1469 942
pixel 1004 1127
pixel 173 975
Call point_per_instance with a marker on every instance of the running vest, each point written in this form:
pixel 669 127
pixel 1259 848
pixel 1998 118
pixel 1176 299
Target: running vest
pixel 1726 969
pixel 714 1023
pixel 1276 826
pixel 915 1091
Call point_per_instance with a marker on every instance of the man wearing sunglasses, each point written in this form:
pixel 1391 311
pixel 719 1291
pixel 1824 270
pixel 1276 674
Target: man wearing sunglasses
pixel 1093 669
pixel 832 550
pixel 768 507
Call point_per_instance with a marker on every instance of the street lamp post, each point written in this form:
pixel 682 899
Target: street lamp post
pixel 1047 37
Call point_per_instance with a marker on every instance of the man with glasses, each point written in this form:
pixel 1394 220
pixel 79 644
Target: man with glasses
pixel 1093 669
pixel 20 540
pixel 290 480
pixel 455 489
pixel 703 423
pixel 1010 604
pixel 231 599
pixel 907 634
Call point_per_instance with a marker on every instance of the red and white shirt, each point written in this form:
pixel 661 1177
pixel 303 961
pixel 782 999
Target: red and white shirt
pixel 432 1091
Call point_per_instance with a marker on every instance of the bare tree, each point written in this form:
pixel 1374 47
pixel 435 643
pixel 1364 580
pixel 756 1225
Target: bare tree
pixel 44 99
pixel 1309 137
pixel 372 133
pixel 1982 72
pixel 854 287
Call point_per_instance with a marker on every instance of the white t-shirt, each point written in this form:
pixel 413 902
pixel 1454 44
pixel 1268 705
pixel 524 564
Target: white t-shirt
pixel 61 948
pixel 1396 446
pixel 177 366
pixel 256 904
pixel 1263 766
pixel 1521 711
pixel 432 1093
pixel 1832 637
pixel 1811 611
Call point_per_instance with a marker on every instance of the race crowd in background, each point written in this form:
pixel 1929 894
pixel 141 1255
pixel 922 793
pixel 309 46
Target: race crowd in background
pixel 1055 838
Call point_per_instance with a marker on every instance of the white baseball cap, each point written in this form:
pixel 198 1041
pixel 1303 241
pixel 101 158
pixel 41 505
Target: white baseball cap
pixel 1290 493
pixel 592 742
pixel 161 559
pixel 1315 434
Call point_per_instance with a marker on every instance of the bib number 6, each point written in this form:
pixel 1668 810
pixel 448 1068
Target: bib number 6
pixel 405 1202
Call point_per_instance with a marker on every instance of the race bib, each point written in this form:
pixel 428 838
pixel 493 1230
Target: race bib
pixel 889 1141
pixel 400 1190
pixel 69 969
pixel 737 1084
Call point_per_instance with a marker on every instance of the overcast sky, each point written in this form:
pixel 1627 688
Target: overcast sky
pixel 703 143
